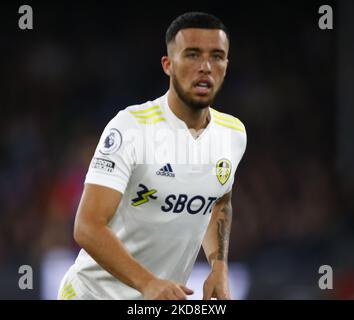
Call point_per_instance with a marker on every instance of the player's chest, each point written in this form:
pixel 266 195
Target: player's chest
pixel 180 188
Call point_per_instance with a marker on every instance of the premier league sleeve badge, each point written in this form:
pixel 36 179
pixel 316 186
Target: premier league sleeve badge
pixel 112 142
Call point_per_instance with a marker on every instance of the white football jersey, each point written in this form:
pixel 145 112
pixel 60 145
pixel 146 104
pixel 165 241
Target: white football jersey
pixel 170 181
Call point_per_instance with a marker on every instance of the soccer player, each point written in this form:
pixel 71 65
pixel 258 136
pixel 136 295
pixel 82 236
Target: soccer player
pixel 159 184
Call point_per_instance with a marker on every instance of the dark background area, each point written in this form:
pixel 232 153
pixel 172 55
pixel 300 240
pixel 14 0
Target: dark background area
pixel 288 81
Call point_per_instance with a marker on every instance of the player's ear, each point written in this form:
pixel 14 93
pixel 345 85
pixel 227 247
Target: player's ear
pixel 227 64
pixel 166 63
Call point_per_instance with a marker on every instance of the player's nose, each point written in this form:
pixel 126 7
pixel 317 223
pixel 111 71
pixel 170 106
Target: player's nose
pixel 205 66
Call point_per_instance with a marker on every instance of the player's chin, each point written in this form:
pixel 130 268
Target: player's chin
pixel 203 98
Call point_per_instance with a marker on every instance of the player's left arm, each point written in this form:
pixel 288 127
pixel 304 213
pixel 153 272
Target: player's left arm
pixel 216 246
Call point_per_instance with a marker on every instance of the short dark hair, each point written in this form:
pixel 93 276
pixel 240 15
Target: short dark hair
pixel 200 20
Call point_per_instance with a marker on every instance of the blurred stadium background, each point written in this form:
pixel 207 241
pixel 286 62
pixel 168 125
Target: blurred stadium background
pixel 288 81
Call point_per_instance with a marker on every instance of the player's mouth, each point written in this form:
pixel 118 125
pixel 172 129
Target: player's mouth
pixel 203 87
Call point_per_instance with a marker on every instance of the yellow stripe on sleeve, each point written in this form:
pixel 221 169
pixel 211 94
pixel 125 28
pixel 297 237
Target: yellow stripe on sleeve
pixel 68 292
pixel 152 121
pixel 147 116
pixel 225 117
pixel 230 126
pixel 71 296
pixel 144 111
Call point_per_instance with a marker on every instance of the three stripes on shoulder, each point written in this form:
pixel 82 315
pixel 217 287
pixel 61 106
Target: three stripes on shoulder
pixel 154 114
pixel 149 115
pixel 67 292
pixel 227 120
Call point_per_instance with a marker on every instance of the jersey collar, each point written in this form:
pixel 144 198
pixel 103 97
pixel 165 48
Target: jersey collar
pixel 176 122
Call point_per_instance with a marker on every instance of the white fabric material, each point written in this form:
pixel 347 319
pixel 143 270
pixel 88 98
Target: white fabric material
pixel 164 233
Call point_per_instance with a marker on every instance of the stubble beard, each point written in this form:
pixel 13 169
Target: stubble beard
pixel 188 101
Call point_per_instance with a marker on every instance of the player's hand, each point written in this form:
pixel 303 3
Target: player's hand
pixel 159 289
pixel 217 286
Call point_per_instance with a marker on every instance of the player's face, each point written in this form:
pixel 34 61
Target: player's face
pixel 197 65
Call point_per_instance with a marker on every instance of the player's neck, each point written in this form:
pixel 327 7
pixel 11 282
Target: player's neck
pixel 194 119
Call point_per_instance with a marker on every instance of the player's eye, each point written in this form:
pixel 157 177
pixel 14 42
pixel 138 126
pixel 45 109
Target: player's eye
pixel 192 55
pixel 217 57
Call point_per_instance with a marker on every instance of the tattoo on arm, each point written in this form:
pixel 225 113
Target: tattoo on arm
pixel 221 240
pixel 223 234
pixel 224 227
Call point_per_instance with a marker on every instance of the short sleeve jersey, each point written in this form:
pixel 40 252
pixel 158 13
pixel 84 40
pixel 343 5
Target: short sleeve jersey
pixel 169 180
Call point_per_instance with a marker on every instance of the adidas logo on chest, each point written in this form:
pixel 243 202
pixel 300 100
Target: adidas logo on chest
pixel 166 171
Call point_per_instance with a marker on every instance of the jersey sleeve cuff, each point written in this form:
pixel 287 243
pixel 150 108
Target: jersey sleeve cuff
pixel 106 182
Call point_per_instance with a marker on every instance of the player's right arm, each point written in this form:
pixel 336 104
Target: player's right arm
pixel 91 231
pixel 106 181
